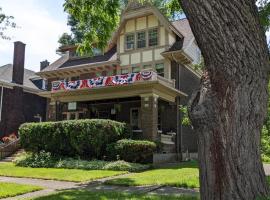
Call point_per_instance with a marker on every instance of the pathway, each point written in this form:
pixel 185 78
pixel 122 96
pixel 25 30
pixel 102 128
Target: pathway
pixel 51 186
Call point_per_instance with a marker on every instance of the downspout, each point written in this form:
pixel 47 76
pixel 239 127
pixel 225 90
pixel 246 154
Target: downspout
pixel 1 102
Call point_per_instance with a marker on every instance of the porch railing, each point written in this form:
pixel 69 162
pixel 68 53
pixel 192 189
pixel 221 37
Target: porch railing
pixel 9 149
pixel 107 81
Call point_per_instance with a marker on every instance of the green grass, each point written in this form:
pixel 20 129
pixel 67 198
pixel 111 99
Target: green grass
pixel 13 189
pixel 86 195
pixel 76 175
pixel 182 175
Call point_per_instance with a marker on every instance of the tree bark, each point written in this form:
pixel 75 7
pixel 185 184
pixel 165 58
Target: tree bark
pixel 229 109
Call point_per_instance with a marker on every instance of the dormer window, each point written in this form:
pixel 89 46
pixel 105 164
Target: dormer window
pixel 141 40
pixel 130 41
pixel 153 37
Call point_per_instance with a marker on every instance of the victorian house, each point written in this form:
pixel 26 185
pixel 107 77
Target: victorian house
pixel 141 78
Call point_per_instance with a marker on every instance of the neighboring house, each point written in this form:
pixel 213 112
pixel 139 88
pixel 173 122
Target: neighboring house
pixel 19 101
pixel 142 77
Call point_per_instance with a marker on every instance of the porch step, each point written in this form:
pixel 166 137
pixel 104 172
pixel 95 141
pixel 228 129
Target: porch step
pixel 12 157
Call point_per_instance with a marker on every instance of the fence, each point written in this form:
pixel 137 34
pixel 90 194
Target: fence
pixel 9 149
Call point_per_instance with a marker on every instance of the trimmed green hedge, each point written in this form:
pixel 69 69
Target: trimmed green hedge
pixel 139 151
pixel 86 138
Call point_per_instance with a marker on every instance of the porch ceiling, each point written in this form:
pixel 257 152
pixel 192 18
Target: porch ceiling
pixel 137 89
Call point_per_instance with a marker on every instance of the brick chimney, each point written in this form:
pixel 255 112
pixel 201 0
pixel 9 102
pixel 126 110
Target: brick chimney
pixel 44 64
pixel 18 62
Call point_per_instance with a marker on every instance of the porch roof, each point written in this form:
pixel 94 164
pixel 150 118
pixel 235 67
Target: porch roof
pixel 153 87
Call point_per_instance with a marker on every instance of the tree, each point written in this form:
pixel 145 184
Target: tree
pixel 229 109
pixel 79 21
pixel 5 22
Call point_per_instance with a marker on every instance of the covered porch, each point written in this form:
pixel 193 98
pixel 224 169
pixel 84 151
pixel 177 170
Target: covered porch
pixel 149 106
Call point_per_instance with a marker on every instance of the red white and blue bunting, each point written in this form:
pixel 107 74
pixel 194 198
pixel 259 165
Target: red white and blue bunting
pixel 102 81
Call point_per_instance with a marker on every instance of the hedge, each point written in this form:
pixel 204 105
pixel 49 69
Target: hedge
pixel 138 151
pixel 86 138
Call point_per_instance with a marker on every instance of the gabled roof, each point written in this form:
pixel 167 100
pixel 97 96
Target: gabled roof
pixel 183 27
pixel 147 9
pixel 65 61
pixel 6 76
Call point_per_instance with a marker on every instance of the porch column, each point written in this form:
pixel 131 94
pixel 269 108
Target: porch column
pixel 51 110
pixel 149 116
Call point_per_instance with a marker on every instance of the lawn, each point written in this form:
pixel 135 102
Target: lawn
pixel 75 175
pixel 183 175
pixel 12 189
pixel 86 195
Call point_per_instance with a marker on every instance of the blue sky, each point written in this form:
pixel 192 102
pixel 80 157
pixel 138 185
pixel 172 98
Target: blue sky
pixel 41 23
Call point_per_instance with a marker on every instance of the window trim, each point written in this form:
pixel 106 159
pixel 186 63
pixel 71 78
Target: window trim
pixel 145 39
pixel 134 41
pixel 148 38
pixel 160 63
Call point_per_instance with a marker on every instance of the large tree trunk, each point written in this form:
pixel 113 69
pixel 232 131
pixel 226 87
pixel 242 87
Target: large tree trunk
pixel 229 109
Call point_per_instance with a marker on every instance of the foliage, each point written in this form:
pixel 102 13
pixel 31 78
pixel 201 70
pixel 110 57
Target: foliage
pixel 75 175
pixel 265 135
pixel 85 138
pixel 45 160
pixel 138 151
pixel 185 118
pixel 185 175
pixel 93 22
pixel 110 195
pixel 13 189
pixel 264 12
pixel 5 22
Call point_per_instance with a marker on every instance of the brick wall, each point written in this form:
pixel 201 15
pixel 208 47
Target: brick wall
pixel 19 107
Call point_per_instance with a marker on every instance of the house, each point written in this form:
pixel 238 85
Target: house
pixel 141 78
pixel 19 99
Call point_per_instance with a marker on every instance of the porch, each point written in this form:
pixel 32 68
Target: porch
pixel 144 100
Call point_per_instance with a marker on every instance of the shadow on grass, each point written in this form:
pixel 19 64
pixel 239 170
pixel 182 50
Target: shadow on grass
pixel 182 165
pixel 86 195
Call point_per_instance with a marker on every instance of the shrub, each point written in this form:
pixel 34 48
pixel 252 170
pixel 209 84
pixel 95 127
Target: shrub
pixel 140 151
pixel 85 138
pixel 43 159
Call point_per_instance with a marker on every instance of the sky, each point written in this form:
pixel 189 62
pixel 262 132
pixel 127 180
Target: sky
pixel 41 23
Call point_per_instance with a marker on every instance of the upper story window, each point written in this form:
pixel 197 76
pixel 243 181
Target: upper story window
pixel 136 69
pixel 147 66
pixel 124 71
pixel 141 40
pixel 153 37
pixel 130 41
pixel 160 69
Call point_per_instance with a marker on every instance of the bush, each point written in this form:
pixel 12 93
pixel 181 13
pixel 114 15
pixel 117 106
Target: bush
pixel 41 159
pixel 45 160
pixel 85 138
pixel 139 151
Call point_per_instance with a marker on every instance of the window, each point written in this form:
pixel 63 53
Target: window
pixel 141 40
pixel 160 69
pixel 147 66
pixel 130 41
pixel 136 69
pixel 124 71
pixel 135 118
pixel 153 37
